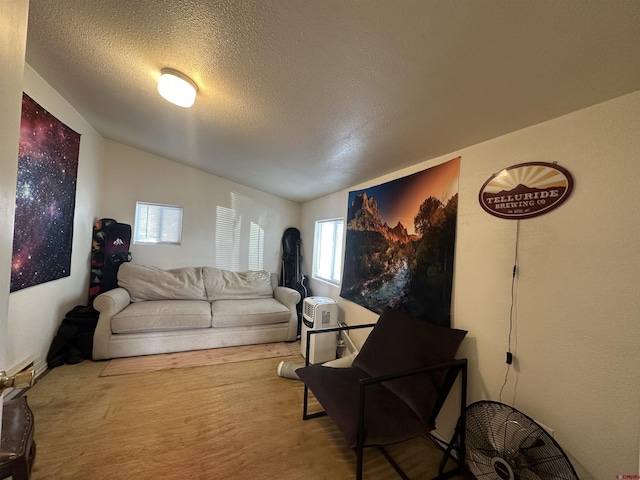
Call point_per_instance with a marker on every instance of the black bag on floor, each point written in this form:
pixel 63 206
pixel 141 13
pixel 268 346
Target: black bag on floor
pixel 74 340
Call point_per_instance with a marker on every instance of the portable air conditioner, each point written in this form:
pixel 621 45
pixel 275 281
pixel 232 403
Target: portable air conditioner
pixel 319 313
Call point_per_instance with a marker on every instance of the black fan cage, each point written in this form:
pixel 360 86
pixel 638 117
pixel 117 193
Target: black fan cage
pixel 503 443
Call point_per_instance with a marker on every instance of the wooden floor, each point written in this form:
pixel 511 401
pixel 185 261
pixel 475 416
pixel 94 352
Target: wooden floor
pixel 230 421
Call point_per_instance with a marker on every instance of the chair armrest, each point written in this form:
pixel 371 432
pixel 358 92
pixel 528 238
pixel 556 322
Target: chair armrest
pixel 331 330
pixel 340 328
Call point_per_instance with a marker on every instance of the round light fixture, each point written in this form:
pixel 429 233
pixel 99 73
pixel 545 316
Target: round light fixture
pixel 177 88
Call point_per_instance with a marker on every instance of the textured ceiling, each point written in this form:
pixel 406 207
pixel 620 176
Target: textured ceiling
pixel 305 98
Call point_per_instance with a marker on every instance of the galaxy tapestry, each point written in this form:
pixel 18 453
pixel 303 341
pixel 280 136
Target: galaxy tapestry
pixel 400 243
pixel 45 198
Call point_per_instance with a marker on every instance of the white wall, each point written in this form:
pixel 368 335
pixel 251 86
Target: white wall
pixel 13 37
pixel 130 175
pixel 36 312
pixel 576 330
pixel 110 188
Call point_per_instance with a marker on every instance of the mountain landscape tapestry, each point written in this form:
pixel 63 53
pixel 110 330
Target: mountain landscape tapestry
pixel 400 243
pixel 45 198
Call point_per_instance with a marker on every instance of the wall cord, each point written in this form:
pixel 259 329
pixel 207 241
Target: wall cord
pixel 513 296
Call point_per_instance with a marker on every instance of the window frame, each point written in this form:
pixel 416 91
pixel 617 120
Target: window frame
pixel 160 206
pixel 336 251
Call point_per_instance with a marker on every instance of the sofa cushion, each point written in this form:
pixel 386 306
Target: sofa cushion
pixel 237 313
pixel 151 283
pixel 227 285
pixel 162 315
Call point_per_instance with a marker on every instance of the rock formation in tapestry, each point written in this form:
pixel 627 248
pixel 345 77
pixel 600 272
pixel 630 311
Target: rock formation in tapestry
pixel 400 244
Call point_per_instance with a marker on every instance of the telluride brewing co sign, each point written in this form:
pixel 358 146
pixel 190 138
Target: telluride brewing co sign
pixel 526 190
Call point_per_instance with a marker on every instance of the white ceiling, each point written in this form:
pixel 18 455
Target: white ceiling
pixel 301 98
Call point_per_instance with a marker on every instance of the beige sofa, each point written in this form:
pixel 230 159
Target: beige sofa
pixel 160 311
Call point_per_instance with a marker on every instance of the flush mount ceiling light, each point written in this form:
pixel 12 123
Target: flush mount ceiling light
pixel 177 88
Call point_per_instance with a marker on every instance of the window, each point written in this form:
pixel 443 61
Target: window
pixel 228 223
pixel 256 247
pixel 327 250
pixel 158 224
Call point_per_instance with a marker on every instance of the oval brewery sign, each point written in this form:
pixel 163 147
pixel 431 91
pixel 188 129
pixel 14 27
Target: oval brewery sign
pixel 526 190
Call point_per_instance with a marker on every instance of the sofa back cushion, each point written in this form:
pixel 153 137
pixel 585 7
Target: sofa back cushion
pixel 151 283
pixel 227 285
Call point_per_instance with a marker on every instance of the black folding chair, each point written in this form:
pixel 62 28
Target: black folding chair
pixel 395 388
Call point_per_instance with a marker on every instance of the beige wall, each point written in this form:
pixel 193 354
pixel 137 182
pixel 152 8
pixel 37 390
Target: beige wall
pixel 130 175
pixel 36 312
pixel 576 330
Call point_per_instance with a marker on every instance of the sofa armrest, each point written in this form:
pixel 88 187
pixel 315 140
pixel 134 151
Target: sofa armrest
pixel 290 299
pixel 108 304
pixel 287 296
pixel 112 301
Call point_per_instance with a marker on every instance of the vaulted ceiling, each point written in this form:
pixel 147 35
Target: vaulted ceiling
pixel 301 98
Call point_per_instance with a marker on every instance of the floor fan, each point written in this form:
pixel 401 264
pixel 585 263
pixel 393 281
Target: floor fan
pixel 503 443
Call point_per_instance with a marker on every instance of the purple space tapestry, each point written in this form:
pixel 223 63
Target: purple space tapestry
pixel 400 243
pixel 45 198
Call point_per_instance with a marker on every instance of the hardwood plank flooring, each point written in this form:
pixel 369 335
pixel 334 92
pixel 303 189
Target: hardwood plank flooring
pixel 195 358
pixel 227 421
